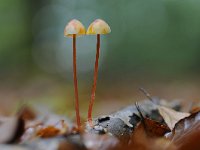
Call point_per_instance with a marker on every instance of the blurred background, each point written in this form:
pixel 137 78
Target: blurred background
pixel 154 44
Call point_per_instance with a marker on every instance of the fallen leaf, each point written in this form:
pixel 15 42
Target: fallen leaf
pixel 195 109
pixel 59 128
pixel 170 116
pixel 11 129
pixel 100 142
pixel 186 133
pixel 140 140
pixel 26 113
pixel 47 132
pixel 154 128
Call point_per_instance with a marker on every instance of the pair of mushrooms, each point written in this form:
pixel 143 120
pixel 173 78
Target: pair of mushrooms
pixel 73 29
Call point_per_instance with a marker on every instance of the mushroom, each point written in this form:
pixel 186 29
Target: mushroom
pixel 73 29
pixel 97 27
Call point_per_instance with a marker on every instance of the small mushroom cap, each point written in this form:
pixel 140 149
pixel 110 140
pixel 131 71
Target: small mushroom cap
pixel 98 27
pixel 74 27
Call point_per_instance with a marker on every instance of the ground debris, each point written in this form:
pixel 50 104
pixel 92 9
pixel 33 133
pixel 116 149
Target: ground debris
pixel 123 122
pixel 136 127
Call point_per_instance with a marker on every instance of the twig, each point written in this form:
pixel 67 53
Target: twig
pixel 146 94
pixel 141 115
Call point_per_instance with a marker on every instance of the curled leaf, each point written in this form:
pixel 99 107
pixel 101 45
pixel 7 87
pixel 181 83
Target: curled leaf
pixel 186 132
pixel 154 128
pixel 141 141
pixel 170 116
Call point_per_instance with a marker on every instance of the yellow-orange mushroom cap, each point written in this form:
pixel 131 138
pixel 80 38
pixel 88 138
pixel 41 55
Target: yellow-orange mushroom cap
pixel 98 27
pixel 74 27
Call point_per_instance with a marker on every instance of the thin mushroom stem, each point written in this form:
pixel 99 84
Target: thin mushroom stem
pixel 94 82
pixel 76 83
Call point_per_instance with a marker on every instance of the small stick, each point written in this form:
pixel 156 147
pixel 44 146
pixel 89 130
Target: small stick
pixel 140 113
pixel 146 94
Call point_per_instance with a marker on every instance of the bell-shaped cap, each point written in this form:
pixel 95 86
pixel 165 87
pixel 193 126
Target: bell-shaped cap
pixel 74 27
pixel 98 27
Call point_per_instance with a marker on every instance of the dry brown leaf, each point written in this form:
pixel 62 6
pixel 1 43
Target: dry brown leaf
pixel 141 141
pixel 170 116
pixel 59 128
pixel 48 132
pixel 154 128
pixel 195 110
pixel 186 133
pixel 27 113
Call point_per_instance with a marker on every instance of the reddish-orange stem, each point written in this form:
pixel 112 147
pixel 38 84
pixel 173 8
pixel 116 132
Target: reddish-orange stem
pixel 76 83
pixel 94 82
